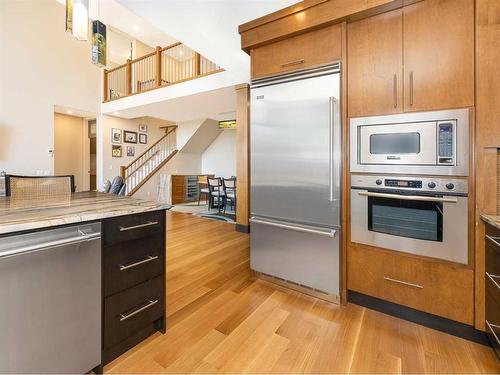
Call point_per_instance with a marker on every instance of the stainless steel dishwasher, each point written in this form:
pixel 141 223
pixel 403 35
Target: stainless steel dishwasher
pixel 50 300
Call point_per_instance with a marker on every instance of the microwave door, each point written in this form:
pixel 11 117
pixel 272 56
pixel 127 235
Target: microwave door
pixel 398 144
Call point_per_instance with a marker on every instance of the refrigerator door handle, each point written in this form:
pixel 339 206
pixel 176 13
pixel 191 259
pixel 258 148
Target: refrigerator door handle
pixel 333 136
pixel 322 232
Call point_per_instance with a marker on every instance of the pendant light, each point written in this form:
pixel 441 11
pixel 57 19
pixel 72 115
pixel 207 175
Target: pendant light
pixel 99 41
pixel 81 19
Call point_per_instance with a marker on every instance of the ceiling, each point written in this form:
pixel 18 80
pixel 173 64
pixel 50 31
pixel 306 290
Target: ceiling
pixel 210 27
pixel 217 104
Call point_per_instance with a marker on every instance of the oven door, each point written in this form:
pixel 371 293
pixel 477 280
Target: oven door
pixel 433 226
pixel 396 144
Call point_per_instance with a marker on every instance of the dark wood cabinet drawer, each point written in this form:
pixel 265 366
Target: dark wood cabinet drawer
pixel 130 263
pixel 492 242
pixel 132 310
pixel 493 313
pixel 124 228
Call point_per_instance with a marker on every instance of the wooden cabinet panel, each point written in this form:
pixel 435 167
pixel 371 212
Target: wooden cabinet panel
pixel 380 274
pixel 178 189
pixel 438 54
pixel 303 51
pixel 375 65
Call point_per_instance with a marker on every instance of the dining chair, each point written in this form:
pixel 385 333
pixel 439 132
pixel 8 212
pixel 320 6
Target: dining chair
pixel 33 187
pixel 216 189
pixel 230 190
pixel 203 189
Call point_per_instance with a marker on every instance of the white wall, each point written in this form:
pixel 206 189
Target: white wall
pixel 220 157
pixel 111 164
pixel 40 66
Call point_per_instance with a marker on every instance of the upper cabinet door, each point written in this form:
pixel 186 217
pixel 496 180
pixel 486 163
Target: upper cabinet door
pixel 307 50
pixel 438 54
pixel 375 76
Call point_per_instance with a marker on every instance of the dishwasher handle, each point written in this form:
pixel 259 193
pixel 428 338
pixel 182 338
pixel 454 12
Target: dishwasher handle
pixel 82 237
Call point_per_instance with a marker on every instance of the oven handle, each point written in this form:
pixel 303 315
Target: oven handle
pixel 408 197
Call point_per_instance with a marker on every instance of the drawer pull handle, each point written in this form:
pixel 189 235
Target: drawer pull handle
pixel 294 62
pixel 135 312
pixel 132 265
pixel 494 240
pixel 148 224
pixel 492 278
pixel 403 282
pixel 490 326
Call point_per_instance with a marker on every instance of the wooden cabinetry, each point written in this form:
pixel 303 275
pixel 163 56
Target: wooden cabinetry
pixel 133 280
pixel 418 58
pixel 412 281
pixel 438 54
pixel 303 51
pixel 375 71
pixel 492 280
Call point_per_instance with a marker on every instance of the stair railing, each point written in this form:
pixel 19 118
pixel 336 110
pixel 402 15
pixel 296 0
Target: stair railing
pixel 139 171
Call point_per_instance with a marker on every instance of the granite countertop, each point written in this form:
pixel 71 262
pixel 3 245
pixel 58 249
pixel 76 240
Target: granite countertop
pixel 22 215
pixel 492 220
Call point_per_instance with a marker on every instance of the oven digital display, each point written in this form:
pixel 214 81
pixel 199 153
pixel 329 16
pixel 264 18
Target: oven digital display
pixel 404 183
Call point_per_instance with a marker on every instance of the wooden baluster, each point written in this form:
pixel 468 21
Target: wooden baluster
pixel 158 66
pixel 129 76
pixel 105 85
pixel 197 65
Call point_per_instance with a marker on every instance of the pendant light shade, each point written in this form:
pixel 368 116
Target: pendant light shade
pixel 81 19
pixel 99 43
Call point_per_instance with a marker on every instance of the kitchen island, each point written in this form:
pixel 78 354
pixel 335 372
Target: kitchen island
pixel 83 280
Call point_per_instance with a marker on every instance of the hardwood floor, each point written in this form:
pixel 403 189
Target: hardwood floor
pixel 220 320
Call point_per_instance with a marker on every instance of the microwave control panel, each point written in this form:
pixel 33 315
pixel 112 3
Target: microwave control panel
pixel 446 143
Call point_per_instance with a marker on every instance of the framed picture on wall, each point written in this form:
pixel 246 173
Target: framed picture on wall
pixel 130 151
pixel 116 135
pixel 143 139
pixel 116 151
pixel 129 137
pixel 143 128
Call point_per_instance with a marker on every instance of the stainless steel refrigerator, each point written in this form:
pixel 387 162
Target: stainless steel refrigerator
pixel 295 178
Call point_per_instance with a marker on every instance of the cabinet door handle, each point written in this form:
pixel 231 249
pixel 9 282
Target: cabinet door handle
pixel 494 240
pixel 294 62
pixel 492 278
pixel 395 90
pixel 387 278
pixel 148 224
pixel 135 312
pixel 411 88
pixel 132 265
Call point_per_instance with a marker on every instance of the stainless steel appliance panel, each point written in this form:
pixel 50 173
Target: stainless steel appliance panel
pixel 443 148
pixel 414 231
pixel 50 288
pixel 295 148
pixel 302 254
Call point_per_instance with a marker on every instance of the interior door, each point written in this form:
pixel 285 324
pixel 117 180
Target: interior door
pixel 295 151
pixel 439 54
pixel 375 65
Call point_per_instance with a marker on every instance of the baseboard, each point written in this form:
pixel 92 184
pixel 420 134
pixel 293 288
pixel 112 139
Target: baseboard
pixel 242 228
pixel 438 323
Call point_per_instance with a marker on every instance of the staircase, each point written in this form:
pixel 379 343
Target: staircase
pixel 137 173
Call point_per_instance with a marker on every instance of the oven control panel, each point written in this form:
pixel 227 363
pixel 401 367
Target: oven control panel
pixel 431 184
pixel 416 184
pixel 446 142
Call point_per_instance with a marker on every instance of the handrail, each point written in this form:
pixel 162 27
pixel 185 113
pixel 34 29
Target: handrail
pixel 150 147
pixel 164 66
pixel 143 163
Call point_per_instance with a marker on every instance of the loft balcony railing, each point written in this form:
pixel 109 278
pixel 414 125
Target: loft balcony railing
pixel 165 66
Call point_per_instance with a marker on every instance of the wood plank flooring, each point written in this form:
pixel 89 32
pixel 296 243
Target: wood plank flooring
pixel 220 320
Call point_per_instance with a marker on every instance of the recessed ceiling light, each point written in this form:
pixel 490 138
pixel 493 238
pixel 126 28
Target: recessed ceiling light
pixel 136 28
pixel 70 112
pixel 116 113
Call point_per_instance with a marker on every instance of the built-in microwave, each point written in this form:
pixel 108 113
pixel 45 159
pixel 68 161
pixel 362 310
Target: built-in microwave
pixel 435 143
